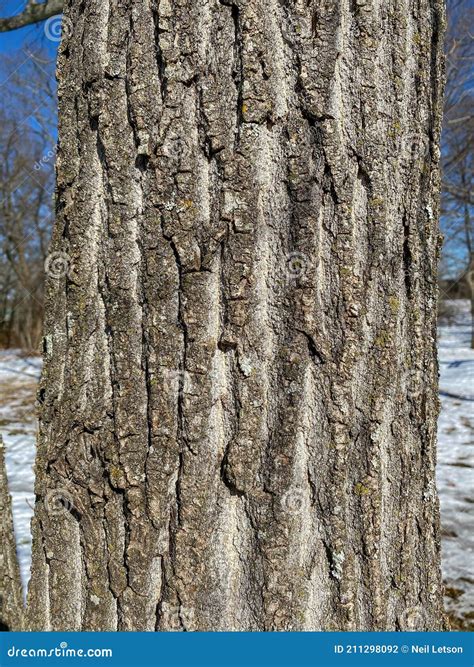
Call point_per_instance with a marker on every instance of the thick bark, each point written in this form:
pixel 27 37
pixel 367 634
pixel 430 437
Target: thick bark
pixel 239 399
pixel 11 598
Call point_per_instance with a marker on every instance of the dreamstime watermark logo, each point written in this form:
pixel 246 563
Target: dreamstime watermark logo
pixel 61 651
pixel 57 26
pixel 292 501
pixel 47 157
pixel 296 266
pixel 58 501
pixel 58 265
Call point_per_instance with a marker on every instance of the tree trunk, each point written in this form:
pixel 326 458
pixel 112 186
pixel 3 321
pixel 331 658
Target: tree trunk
pixel 239 398
pixel 11 598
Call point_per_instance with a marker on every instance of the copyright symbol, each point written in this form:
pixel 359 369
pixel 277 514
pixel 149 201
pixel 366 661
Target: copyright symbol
pixel 405 649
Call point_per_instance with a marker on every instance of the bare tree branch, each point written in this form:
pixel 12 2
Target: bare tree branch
pixel 33 13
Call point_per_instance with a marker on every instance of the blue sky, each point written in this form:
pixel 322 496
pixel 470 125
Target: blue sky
pixel 33 112
pixel 30 36
pixel 15 49
pixel 30 39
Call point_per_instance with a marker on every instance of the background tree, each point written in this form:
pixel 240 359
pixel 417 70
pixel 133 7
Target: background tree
pixel 11 601
pixel 32 13
pixel 27 138
pixel 458 151
pixel 239 400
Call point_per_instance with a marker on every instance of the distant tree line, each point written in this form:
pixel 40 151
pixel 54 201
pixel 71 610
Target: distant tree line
pixel 457 221
pixel 27 145
pixel 28 139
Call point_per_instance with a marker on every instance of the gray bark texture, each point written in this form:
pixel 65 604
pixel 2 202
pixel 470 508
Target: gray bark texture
pixel 11 598
pixel 239 399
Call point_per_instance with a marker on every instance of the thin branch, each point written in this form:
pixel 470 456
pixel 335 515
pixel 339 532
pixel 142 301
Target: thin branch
pixel 32 14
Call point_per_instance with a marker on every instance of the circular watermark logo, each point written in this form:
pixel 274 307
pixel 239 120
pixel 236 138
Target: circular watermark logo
pixel 58 265
pixel 57 26
pixel 292 501
pixel 296 265
pixel 58 501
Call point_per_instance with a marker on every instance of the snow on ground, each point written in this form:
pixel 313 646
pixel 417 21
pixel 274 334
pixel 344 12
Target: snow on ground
pixel 456 460
pixel 18 378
